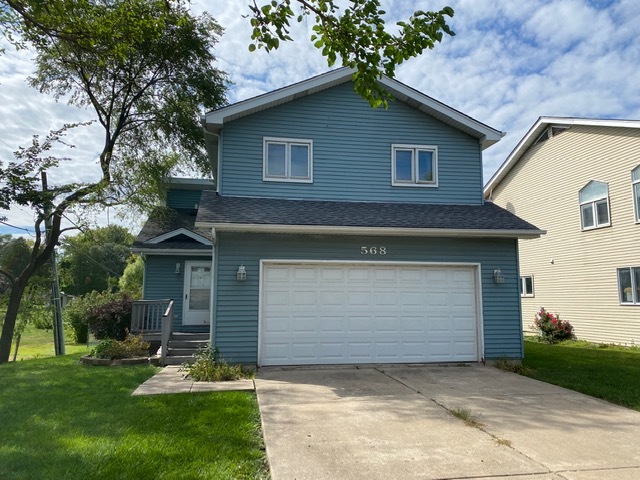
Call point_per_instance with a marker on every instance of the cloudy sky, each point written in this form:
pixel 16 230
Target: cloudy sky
pixel 510 62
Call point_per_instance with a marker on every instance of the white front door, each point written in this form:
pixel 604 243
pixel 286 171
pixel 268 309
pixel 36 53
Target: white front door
pixel 197 293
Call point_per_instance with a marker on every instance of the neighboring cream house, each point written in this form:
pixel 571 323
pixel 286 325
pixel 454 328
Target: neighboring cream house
pixel 578 179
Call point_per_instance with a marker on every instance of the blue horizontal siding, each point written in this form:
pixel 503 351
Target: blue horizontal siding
pixel 162 282
pixel 183 198
pixel 351 151
pixel 236 333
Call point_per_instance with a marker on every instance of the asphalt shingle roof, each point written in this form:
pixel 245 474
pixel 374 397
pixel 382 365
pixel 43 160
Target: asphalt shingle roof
pixel 168 220
pixel 217 209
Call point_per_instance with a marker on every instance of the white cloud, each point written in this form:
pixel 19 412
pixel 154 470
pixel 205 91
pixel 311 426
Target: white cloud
pixel 509 63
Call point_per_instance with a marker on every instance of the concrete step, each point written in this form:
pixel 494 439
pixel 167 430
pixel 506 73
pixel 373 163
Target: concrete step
pixel 178 360
pixel 190 336
pixel 180 352
pixel 191 344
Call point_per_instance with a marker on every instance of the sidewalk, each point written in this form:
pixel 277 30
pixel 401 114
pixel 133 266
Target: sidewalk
pixel 171 380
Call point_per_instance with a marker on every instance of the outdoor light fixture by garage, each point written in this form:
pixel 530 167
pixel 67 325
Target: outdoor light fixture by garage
pixel 241 276
pixel 498 277
pixel 177 268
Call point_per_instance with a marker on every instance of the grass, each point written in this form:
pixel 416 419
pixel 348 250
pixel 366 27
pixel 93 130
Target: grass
pixel 466 416
pixel 37 343
pixel 608 372
pixel 61 419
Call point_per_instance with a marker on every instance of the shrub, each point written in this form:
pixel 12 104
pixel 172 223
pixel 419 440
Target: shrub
pixel 210 367
pixel 550 328
pixel 110 318
pixel 131 347
pixel 76 314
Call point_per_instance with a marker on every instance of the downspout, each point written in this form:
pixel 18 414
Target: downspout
pixel 214 288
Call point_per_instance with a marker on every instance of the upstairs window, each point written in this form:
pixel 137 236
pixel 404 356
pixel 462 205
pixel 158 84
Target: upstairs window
pixel 288 160
pixel 635 179
pixel 594 205
pixel 414 165
pixel 526 286
pixel 629 285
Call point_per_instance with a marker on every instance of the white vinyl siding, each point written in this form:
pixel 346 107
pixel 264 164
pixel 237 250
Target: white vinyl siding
pixel 287 160
pixel 594 205
pixel 414 165
pixel 566 256
pixel 332 313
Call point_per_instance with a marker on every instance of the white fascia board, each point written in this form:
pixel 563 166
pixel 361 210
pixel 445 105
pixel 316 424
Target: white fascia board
pixel 180 231
pixel 215 119
pixel 536 130
pixel 383 231
pixel 218 117
pixel 488 136
pixel 171 251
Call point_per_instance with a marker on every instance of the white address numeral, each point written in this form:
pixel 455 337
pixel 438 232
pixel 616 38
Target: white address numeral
pixel 373 250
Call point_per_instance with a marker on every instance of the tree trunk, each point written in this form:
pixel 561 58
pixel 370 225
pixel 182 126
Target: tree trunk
pixel 11 316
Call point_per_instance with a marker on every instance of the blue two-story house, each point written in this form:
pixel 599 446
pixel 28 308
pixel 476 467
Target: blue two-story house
pixel 340 234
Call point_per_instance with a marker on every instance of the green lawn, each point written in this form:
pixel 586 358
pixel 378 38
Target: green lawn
pixel 610 373
pixel 36 343
pixel 63 420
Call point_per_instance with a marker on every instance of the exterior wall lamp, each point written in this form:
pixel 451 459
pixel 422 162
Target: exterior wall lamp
pixel 498 277
pixel 241 275
pixel 177 268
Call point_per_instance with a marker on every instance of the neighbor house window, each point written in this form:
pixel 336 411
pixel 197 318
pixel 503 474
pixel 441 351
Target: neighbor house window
pixel 594 205
pixel 629 285
pixel 414 165
pixel 635 179
pixel 288 160
pixel 526 286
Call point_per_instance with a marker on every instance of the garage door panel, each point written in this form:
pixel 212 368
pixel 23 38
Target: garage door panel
pixel 314 314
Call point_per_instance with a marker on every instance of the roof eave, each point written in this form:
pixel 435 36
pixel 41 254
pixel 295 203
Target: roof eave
pixel 382 231
pixel 543 122
pixel 487 136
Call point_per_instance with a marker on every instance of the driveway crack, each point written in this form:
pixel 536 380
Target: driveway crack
pixel 475 424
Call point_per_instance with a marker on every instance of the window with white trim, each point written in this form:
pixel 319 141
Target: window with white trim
pixel 635 180
pixel 526 286
pixel 414 165
pixel 287 160
pixel 594 205
pixel 629 285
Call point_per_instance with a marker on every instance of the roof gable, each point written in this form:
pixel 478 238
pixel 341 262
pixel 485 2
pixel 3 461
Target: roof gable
pixel 535 134
pixel 176 234
pixel 214 120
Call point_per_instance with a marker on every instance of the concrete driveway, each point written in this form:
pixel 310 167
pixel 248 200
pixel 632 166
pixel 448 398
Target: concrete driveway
pixel 394 422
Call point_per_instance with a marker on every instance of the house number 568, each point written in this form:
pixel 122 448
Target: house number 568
pixel 373 250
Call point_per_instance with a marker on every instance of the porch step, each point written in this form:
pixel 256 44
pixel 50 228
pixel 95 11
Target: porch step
pixel 178 360
pixel 182 346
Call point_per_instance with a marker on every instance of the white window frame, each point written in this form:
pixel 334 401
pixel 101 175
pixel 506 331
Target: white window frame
pixel 288 142
pixel 594 208
pixel 523 290
pixel 635 184
pixel 635 296
pixel 414 166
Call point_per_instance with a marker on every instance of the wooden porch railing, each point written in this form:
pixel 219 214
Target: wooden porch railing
pixel 147 315
pixel 167 326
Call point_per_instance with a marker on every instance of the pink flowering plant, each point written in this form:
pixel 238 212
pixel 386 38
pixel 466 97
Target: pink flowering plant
pixel 550 328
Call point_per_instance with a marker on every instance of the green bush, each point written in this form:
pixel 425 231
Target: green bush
pixel 111 316
pixel 550 328
pixel 131 347
pixel 76 314
pixel 210 367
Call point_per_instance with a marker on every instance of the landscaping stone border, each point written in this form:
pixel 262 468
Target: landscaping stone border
pixel 89 360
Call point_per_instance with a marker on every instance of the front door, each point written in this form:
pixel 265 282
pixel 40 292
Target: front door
pixel 197 293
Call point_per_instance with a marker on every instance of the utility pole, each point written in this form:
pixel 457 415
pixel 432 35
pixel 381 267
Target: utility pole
pixel 58 331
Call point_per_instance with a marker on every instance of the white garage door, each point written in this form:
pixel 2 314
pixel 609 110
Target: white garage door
pixel 363 313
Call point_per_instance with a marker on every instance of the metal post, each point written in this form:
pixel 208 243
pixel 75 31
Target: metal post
pixel 58 330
